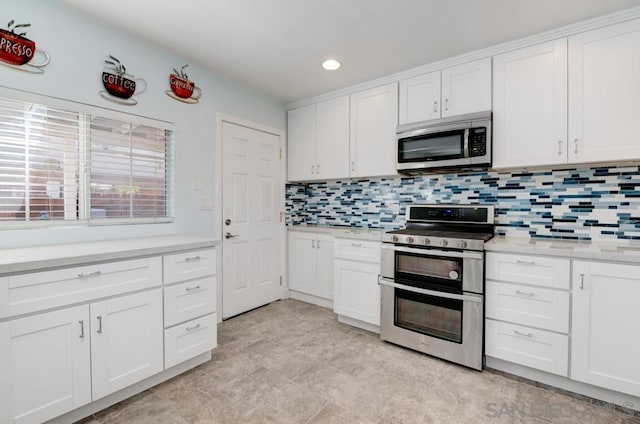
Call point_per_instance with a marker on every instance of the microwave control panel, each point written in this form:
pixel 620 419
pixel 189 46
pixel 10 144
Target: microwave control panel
pixel 477 141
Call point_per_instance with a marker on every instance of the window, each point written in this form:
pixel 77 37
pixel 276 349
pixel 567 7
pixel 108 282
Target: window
pixel 61 165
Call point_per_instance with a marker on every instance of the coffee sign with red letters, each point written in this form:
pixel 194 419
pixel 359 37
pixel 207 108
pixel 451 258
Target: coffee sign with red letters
pixel 17 51
pixel 183 89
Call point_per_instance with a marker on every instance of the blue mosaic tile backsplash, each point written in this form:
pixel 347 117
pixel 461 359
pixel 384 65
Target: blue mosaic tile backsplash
pixel 599 203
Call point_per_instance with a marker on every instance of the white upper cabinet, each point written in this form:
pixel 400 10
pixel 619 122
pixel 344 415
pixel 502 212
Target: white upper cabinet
pixel 456 90
pixel 301 145
pixel 604 94
pixel 420 98
pixel 332 138
pixel 319 141
pixel 466 88
pixel 530 106
pixel 374 118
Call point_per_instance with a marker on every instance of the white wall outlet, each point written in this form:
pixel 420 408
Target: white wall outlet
pixel 206 203
pixel 395 208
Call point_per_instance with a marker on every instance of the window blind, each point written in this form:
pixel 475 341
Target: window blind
pixel 39 159
pixel 61 165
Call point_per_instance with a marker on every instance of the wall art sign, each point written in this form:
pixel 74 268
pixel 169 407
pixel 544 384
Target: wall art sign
pixel 17 51
pixel 119 85
pixel 183 89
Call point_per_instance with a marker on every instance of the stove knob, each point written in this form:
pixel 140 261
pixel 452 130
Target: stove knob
pixel 462 244
pixel 427 241
pixel 409 240
pixel 443 243
pixel 394 239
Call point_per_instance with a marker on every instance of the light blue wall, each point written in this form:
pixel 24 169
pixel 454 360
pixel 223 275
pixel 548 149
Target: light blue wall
pixel 78 45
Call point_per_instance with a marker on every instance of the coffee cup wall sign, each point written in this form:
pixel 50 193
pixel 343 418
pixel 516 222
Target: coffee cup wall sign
pixel 18 52
pixel 120 86
pixel 182 89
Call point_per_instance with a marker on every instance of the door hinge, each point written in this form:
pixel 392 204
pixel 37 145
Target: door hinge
pixel 281 280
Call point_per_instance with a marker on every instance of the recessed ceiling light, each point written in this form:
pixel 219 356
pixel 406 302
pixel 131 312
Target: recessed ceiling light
pixel 331 64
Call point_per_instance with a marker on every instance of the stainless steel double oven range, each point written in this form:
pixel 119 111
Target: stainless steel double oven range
pixel 432 282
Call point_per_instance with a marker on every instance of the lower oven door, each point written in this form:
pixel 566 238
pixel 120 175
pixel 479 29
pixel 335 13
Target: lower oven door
pixel 446 325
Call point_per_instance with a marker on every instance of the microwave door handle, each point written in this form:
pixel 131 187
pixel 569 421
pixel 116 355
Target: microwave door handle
pixel 464 297
pixel 466 142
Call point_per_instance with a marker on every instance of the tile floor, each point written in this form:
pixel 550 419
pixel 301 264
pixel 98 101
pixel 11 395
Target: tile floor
pixel 291 362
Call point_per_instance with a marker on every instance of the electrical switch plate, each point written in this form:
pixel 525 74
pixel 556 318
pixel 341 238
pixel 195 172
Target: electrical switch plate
pixel 395 208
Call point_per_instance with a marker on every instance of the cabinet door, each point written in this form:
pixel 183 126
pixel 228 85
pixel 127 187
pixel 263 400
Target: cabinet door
pixel 605 344
pixel 332 139
pixel 466 88
pixel 324 274
pixel 420 98
pixel 45 366
pixel 530 106
pixel 302 261
pixel 126 341
pixel 604 99
pixel 357 293
pixel 301 143
pixel 374 118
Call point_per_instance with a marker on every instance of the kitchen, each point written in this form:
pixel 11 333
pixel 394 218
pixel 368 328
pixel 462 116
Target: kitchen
pixel 539 195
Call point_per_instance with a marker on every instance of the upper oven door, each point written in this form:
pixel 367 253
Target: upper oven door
pixel 449 270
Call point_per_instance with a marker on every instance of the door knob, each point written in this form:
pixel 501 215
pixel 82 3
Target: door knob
pixel 227 221
pixel 229 236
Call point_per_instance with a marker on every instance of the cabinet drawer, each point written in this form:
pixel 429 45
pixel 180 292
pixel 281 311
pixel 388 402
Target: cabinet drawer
pixel 535 270
pixel 522 345
pixel 537 307
pixel 189 300
pixel 189 265
pixel 357 250
pixel 26 293
pixel 190 339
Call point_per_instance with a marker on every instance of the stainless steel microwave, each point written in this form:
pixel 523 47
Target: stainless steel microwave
pixel 455 143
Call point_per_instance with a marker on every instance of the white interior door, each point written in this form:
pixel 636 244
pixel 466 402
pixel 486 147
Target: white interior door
pixel 251 218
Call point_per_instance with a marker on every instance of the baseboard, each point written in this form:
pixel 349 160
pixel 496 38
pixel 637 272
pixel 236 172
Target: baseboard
pixel 309 298
pixel 360 324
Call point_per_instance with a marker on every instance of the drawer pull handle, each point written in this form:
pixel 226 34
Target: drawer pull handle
pixel 99 331
pixel 81 322
pixel 195 327
pixel 192 288
pixel 521 293
pixel 92 274
pixel 528 335
pixel 192 258
pixel 525 262
pixel 356 244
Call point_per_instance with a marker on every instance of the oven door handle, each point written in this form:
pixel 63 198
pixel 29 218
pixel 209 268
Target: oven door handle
pixel 433 252
pixel 465 297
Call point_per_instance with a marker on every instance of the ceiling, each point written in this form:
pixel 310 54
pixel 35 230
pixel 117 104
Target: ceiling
pixel 276 46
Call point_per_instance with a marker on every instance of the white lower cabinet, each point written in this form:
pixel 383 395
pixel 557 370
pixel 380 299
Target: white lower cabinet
pixel 45 366
pixel 126 341
pixel 190 339
pixel 527 311
pixel 357 293
pixel 605 348
pixel 58 361
pixel 311 263
pixel 539 349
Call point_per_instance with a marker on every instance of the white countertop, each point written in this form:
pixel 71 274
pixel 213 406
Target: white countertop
pixel 623 251
pixel 357 233
pixel 27 259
